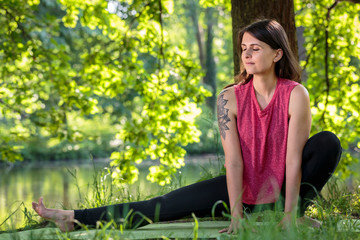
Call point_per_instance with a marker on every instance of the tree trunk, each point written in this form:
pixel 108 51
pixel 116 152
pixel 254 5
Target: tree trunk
pixel 210 65
pixel 193 12
pixel 205 47
pixel 244 12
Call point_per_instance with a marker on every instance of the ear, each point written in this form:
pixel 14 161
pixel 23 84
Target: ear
pixel 278 55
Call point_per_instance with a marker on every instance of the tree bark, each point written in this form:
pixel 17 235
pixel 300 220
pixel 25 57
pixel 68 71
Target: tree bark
pixel 244 12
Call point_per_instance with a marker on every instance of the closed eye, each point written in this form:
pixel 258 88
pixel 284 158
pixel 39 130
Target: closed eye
pixel 254 49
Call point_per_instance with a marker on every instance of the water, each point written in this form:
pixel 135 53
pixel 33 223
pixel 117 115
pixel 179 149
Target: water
pixel 25 184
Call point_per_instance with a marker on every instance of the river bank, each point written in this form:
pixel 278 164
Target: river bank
pixel 104 161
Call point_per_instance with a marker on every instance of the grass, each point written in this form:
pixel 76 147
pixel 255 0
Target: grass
pixel 338 209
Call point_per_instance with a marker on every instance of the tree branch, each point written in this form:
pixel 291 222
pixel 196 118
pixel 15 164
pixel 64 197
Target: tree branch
pixel 310 53
pixel 327 80
pixel 161 52
pixel 352 1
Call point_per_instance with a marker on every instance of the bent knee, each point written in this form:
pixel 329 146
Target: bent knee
pixel 328 141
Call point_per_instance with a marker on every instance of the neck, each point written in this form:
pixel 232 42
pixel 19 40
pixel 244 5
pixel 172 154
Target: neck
pixel 265 85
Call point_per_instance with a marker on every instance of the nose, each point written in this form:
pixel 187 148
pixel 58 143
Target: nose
pixel 247 53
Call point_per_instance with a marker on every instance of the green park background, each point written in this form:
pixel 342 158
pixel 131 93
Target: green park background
pixel 136 81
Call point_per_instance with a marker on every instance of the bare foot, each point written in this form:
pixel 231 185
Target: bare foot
pixel 309 221
pixel 64 219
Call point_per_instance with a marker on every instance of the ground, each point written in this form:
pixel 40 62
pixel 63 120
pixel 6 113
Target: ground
pixel 177 230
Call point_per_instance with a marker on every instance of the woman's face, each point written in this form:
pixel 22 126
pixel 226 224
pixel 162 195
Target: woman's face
pixel 258 57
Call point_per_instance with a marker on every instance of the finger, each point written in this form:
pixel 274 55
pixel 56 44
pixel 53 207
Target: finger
pixel 34 205
pixel 223 230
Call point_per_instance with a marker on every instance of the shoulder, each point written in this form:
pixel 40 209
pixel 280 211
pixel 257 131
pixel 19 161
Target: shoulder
pixel 299 92
pixel 295 89
pixel 234 91
pixel 227 93
pixel 299 100
pixel 227 98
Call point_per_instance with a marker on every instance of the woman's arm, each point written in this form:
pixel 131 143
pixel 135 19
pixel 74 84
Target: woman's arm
pixel 299 130
pixel 227 111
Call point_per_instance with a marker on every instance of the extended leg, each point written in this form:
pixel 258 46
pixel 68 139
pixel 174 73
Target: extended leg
pixel 198 198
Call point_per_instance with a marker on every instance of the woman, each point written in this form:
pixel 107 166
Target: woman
pixel 264 121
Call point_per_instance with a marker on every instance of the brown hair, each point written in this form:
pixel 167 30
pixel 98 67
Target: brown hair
pixel 273 34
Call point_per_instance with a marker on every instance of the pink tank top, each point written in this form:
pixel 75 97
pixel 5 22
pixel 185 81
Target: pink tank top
pixel 263 141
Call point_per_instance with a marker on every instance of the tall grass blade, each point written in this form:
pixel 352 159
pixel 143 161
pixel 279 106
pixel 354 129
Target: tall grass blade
pixel 196 227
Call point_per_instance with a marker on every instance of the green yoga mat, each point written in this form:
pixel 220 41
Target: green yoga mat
pixel 182 230
pixel 207 229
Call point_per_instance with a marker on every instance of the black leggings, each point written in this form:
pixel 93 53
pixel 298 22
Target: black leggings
pixel 321 155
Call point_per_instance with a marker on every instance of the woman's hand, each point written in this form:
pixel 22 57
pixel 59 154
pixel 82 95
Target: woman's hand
pixel 285 221
pixel 232 229
pixel 237 224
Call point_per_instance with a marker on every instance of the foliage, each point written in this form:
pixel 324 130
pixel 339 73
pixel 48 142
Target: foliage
pixel 68 59
pixel 332 31
pixel 96 141
pixel 214 3
pixel 210 139
pixel 223 47
pixel 338 201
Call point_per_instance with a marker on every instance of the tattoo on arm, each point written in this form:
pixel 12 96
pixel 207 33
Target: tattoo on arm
pixel 222 114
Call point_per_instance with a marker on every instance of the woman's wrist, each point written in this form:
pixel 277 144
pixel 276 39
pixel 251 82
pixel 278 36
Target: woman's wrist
pixel 237 213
